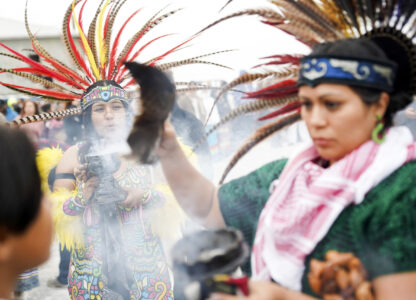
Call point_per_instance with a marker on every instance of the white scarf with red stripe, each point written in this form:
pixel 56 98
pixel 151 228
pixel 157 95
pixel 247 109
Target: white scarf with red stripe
pixel 308 199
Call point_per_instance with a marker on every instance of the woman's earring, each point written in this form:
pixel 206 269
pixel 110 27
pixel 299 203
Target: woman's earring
pixel 378 134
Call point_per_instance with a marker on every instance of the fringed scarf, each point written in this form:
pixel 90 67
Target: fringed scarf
pixel 309 198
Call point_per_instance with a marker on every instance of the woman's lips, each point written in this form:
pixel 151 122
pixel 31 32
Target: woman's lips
pixel 321 142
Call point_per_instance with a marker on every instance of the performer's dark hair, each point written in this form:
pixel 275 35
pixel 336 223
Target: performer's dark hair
pixel 20 192
pixel 367 50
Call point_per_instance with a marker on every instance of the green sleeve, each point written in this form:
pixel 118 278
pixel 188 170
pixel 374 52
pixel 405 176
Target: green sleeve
pixel 389 229
pixel 242 200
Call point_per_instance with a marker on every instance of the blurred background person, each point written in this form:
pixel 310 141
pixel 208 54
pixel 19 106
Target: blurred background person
pixel 25 220
pixel 33 130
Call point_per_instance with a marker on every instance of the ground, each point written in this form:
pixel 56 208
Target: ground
pixel 47 271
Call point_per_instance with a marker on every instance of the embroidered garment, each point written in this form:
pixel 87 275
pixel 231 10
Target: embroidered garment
pixel 308 199
pixel 137 259
pixel 27 281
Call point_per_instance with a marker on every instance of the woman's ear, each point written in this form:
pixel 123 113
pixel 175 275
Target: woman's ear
pixel 382 104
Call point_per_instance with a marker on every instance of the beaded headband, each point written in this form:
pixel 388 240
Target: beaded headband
pixel 103 94
pixel 371 74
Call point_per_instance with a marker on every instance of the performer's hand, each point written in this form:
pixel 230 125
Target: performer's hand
pixel 134 197
pixel 90 184
pixel 259 290
pixel 169 143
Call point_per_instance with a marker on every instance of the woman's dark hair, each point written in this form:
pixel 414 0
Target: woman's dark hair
pixel 367 50
pixel 20 192
pixel 37 111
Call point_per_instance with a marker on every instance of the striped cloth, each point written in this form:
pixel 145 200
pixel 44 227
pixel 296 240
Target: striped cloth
pixel 308 199
pixel 27 281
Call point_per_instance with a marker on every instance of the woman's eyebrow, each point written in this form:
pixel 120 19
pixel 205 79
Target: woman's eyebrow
pixel 302 97
pixel 330 95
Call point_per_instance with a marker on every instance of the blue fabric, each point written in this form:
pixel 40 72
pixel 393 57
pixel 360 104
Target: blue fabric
pixel 10 114
pixel 65 256
pixel 27 281
pixel 315 70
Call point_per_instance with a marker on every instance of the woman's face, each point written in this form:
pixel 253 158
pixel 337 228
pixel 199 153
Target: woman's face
pixel 29 109
pixel 109 118
pixel 32 246
pixel 338 120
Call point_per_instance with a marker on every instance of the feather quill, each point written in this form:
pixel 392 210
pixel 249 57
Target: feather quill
pixel 86 46
pixel 261 134
pixel 244 109
pixel 46 116
pixel 153 21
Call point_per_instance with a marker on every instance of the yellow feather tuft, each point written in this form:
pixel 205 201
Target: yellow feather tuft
pixel 69 229
pixel 101 45
pixel 86 45
pixel 46 160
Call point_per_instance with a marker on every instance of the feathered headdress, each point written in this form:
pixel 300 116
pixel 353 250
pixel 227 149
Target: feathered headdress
pixel 389 23
pixel 97 55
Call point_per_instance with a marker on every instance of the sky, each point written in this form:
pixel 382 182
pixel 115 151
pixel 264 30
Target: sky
pixel 247 35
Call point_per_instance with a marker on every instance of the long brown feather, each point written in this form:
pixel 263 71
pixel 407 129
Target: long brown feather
pixel 245 78
pixel 37 79
pixel 46 116
pixel 36 43
pixel 302 34
pixel 143 30
pixel 10 55
pixel 22 91
pixel 245 108
pixel 266 13
pixel 315 16
pixel 92 33
pixel 179 63
pixel 114 12
pixel 201 88
pixel 66 38
pixel 261 134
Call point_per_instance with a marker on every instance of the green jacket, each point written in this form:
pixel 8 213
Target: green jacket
pixel 381 231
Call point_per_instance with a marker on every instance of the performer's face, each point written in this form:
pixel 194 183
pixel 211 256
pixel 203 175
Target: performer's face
pixel 109 118
pixel 29 108
pixel 338 120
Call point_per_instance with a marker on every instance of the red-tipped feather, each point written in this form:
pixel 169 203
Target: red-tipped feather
pixel 78 55
pixel 80 16
pixel 282 88
pixel 284 110
pixel 281 59
pixel 107 19
pixel 146 45
pixel 117 73
pixel 43 92
pixel 65 70
pixel 272 23
pixel 30 70
pixel 145 30
pixel 72 43
pixel 286 57
pixel 39 66
pixel 132 81
pixel 123 70
pixel 170 51
pixel 115 44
